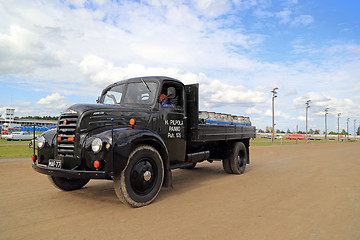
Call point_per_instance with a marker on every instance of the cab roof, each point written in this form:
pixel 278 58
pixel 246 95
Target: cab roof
pixel 158 79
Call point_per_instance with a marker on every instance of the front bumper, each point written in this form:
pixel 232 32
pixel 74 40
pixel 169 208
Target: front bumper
pixel 75 174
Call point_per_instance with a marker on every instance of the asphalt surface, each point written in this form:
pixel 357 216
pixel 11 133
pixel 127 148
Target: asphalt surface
pixel 287 192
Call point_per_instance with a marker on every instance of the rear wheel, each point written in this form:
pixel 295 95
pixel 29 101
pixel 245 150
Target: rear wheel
pixel 226 165
pixel 141 180
pixel 238 158
pixel 68 184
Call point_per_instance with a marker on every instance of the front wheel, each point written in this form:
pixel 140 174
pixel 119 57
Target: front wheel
pixel 141 180
pixel 68 184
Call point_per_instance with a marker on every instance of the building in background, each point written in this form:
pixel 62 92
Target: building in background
pixel 7 119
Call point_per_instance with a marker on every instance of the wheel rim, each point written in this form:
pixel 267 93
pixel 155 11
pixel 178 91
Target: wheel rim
pixel 143 176
pixel 240 160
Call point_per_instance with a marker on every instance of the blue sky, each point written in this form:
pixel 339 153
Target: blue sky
pixel 57 53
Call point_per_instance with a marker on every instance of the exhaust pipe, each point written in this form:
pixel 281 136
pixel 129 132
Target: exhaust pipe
pixel 198 157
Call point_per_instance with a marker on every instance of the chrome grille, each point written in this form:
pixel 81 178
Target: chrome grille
pixel 66 135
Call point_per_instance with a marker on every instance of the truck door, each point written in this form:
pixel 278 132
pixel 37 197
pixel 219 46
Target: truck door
pixel 172 121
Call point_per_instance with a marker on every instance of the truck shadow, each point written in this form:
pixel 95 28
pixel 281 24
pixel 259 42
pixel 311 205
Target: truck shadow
pixel 184 180
pixel 204 174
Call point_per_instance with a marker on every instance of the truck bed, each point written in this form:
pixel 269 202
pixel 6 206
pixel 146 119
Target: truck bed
pixel 211 126
pixel 210 132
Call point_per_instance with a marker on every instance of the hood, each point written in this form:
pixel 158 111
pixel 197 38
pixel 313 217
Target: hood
pixel 93 116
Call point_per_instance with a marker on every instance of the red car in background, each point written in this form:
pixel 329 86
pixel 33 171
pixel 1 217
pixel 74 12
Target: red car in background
pixel 295 136
pixel 9 131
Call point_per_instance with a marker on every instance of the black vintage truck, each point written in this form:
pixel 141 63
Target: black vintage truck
pixel 139 130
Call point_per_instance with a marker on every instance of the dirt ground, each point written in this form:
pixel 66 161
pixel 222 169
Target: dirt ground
pixel 287 192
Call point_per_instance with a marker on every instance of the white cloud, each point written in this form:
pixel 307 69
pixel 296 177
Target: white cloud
pixel 213 8
pixel 22 50
pixel 253 111
pixel 302 20
pixel 51 105
pixel 277 114
pixel 213 92
pixel 320 101
pixel 284 16
pixel 303 118
pixel 101 72
pixel 53 99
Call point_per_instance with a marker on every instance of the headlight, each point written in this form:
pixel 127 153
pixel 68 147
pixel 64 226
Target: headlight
pixel 96 145
pixel 41 142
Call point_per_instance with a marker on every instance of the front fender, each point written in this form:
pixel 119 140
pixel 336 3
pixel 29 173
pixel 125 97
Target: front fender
pixel 126 140
pixel 123 141
pixel 47 152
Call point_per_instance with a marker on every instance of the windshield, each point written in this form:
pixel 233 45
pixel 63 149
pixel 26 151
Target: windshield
pixel 136 93
pixel 113 96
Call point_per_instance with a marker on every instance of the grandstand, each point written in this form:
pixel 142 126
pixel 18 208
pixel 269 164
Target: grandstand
pixel 7 119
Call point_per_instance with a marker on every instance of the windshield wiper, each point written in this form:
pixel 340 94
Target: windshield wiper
pixel 145 84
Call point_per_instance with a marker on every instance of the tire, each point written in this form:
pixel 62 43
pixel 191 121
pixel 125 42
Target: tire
pixel 68 184
pixel 238 158
pixel 226 166
pixel 141 180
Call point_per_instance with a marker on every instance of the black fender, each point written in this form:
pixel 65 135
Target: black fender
pixel 125 140
pixel 47 152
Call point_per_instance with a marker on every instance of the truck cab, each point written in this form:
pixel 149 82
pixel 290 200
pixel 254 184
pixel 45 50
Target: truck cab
pixel 138 131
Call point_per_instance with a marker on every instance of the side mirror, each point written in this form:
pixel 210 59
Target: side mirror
pixel 171 92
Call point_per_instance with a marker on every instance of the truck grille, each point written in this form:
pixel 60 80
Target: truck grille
pixel 66 135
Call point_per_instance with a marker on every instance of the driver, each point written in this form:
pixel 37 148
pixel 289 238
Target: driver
pixel 164 100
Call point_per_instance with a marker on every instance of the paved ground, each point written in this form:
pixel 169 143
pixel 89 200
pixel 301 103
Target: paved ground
pixel 288 192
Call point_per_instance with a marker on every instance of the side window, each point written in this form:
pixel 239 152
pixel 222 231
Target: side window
pixel 172 96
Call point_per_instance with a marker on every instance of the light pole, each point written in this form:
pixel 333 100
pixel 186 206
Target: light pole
pixel 347 128
pixel 338 125
pixel 307 107
pixel 355 128
pixel 326 113
pixel 274 92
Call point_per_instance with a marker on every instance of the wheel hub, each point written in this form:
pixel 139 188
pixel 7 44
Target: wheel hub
pixel 142 176
pixel 147 176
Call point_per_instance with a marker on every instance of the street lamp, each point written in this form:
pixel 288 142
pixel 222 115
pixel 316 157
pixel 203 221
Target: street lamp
pixel 274 92
pixel 307 107
pixel 338 125
pixel 326 113
pixel 354 128
pixel 347 128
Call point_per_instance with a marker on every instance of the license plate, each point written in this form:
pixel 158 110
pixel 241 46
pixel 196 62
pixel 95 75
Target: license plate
pixel 54 163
